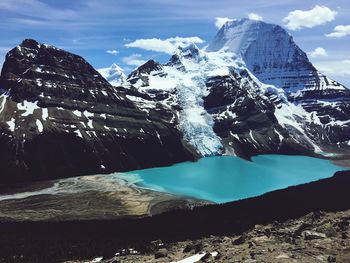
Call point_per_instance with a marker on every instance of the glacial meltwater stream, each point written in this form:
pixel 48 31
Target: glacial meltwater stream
pixel 225 178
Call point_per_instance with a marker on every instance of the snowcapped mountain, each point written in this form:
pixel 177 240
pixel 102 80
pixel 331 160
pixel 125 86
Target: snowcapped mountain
pixel 251 91
pixel 271 54
pixel 233 97
pixel 222 106
pixel 114 75
pixel 59 117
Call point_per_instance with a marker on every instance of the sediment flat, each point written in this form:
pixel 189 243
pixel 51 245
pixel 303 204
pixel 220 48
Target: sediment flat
pixel 35 202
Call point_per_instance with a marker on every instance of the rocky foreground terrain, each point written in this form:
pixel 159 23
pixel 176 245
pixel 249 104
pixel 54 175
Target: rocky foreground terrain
pixel 316 237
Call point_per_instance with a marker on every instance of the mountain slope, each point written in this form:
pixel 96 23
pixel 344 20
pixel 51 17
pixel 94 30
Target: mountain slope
pixel 59 117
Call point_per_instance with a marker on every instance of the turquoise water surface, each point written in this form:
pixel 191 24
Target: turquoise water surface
pixel 226 178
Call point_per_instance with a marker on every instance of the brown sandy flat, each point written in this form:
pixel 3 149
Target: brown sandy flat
pixel 125 201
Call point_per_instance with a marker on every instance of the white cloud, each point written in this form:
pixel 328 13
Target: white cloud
pixel 220 21
pixel 318 52
pixel 168 45
pixel 112 52
pixel 335 68
pixel 255 16
pixel 316 16
pixel 134 60
pixel 346 61
pixel 340 31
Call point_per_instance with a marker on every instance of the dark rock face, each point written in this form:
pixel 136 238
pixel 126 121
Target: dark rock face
pixel 246 120
pixel 332 107
pixel 143 70
pixel 59 117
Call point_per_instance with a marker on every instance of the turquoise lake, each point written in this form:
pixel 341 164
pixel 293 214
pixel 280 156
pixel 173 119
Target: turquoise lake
pixel 225 178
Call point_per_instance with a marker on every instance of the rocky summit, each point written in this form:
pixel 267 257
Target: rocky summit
pixel 59 117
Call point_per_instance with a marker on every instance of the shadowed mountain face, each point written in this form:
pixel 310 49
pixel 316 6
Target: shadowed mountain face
pixel 59 117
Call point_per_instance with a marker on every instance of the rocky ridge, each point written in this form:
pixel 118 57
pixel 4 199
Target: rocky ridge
pixel 59 117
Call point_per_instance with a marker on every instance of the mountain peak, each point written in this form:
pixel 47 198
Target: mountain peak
pixel 114 74
pixel 241 21
pixel 150 66
pixel 237 35
pixel 32 68
pixel 31 43
pixel 187 52
pixel 268 50
pixel 116 66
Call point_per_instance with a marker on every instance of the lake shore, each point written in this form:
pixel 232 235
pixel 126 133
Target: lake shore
pixel 136 193
pixel 81 240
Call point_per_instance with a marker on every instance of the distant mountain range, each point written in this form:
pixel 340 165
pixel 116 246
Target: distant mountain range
pixel 251 91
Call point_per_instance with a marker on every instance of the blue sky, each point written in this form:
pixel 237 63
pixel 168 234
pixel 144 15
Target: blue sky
pixel 90 28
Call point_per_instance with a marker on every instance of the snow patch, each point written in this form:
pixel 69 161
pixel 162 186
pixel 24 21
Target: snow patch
pixel 3 99
pixel 45 114
pixel 28 107
pixel 78 133
pixel 195 258
pixel 39 125
pixel 11 124
pixel 88 114
pixel 77 113
pixel 90 124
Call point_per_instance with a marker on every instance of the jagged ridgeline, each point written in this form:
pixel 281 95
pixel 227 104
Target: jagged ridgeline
pixel 251 91
pixel 59 117
pixel 256 89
